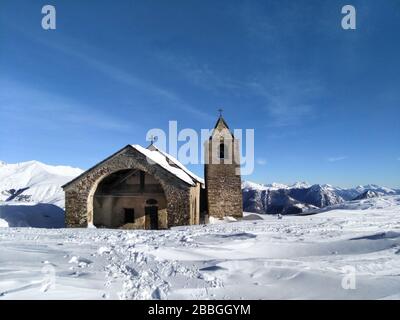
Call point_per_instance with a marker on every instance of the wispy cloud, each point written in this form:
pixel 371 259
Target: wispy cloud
pixel 261 161
pixel 290 98
pixel 287 100
pixel 88 54
pixel 24 105
pixel 336 159
pixel 128 79
pixel 198 73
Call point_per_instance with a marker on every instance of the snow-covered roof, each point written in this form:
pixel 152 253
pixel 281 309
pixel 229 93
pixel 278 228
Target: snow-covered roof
pixel 169 163
pixel 156 156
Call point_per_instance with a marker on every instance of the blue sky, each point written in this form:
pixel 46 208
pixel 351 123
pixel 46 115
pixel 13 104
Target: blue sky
pixel 324 102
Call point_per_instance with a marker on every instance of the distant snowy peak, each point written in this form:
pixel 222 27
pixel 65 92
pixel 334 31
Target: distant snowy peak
pixel 300 185
pixel 368 195
pixel 376 188
pixel 248 185
pixel 286 199
pixel 37 166
pixel 305 185
pixel 322 196
pixel 274 185
pixel 280 198
pixel 34 181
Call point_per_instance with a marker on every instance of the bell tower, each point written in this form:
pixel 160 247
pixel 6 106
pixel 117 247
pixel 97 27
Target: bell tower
pixel 222 172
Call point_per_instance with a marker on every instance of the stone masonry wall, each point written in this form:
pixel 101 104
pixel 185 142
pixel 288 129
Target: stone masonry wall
pixel 222 176
pixel 79 194
pixel 224 192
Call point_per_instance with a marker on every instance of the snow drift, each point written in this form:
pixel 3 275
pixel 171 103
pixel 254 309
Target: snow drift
pixel 296 257
pixel 40 215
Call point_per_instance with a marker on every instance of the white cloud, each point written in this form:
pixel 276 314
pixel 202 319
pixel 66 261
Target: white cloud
pixel 261 161
pixel 29 106
pixel 335 159
pixel 198 73
pixel 88 54
pixel 288 100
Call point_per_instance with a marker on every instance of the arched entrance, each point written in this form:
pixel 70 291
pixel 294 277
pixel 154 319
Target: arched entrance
pixel 130 198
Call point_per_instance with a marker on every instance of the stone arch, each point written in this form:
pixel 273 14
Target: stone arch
pixel 121 200
pixel 102 177
pixel 80 193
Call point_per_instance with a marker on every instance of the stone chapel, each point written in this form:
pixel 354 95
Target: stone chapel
pixel 146 188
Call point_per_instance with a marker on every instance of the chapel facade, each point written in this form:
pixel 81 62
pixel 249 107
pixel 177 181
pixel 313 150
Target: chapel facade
pixel 146 188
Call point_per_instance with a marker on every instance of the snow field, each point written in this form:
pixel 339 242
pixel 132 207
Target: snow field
pixel 296 257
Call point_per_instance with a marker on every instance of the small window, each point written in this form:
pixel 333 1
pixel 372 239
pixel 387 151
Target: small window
pixel 142 180
pixel 129 215
pixel 222 151
pixel 151 202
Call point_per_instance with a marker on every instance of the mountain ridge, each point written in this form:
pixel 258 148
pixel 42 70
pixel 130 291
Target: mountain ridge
pixel 37 182
pixel 34 182
pixel 300 197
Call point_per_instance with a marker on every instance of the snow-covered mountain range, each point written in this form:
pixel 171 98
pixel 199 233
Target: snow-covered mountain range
pixel 33 182
pixel 299 197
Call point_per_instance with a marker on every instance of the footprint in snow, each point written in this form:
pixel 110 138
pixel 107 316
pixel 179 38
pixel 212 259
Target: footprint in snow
pixel 212 268
pixel 81 262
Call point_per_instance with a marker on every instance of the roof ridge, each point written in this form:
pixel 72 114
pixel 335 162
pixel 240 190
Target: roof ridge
pixel 177 163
